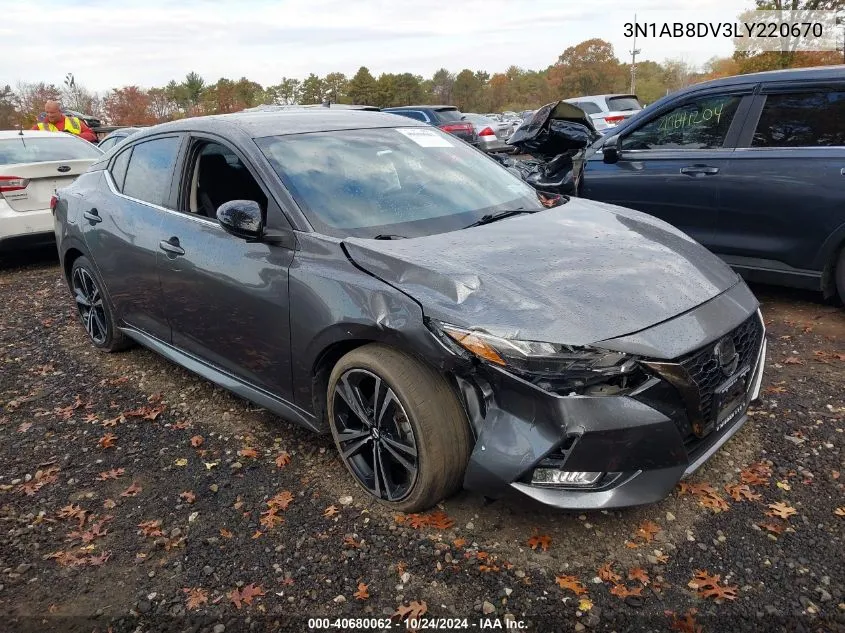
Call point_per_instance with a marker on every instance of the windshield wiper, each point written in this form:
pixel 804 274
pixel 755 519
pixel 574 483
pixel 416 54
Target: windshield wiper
pixel 487 218
pixel 389 236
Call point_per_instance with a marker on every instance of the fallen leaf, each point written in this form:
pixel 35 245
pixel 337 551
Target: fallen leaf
pixel 774 528
pixel 107 441
pixel 414 611
pixel 417 521
pixel 331 511
pixel 283 459
pixel 459 542
pixel 132 490
pixel 623 592
pixel 840 512
pixel 686 624
pixel 607 574
pixel 719 593
pixel 281 501
pixel 783 485
pixel 181 462
pixel 225 533
pixel 24 427
pixel 196 598
pixel 440 521
pixel 196 441
pixel 188 496
pixel 793 360
pixel 109 504
pixel 572 584
pixel 738 492
pixel 114 473
pixel 210 465
pixel 351 543
pixel 151 528
pixel 639 574
pixel 73 512
pixel 362 593
pixel 258 534
pixel 248 452
pixel 540 540
pixel 269 519
pixel 714 502
pixel 245 595
pixel 631 545
pixel 648 530
pixel 585 604
pixel 781 510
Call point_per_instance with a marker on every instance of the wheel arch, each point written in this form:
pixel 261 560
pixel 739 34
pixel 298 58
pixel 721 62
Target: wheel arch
pixel 827 259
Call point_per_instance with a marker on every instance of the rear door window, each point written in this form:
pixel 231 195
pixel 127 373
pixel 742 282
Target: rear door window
pixel 150 170
pixel 803 119
pixel 699 124
pixel 118 168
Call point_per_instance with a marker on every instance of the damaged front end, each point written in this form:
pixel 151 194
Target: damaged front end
pixel 595 427
pixel 552 144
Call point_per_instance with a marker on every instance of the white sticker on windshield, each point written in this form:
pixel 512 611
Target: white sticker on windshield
pixel 424 137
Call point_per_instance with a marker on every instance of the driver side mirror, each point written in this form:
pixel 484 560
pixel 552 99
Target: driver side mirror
pixel 241 218
pixel 610 150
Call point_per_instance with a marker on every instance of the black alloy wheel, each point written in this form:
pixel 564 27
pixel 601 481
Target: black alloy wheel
pixel 398 426
pixel 374 434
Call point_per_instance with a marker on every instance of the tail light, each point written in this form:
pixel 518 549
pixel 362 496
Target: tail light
pixel 614 120
pixel 12 183
pixel 488 131
pixel 53 202
pixel 457 127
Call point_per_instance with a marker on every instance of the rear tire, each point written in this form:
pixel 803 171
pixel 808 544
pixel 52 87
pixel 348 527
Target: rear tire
pixel 414 422
pixel 94 307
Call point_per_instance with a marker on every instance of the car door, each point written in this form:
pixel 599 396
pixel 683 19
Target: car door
pixel 226 298
pixel 783 191
pixel 670 163
pixel 121 226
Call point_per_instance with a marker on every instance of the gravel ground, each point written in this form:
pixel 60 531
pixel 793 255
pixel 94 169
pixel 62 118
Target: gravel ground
pixel 135 496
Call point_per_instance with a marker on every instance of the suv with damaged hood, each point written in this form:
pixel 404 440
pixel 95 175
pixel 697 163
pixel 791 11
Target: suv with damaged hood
pixel 376 278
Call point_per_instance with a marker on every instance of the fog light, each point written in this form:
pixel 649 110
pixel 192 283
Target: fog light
pixel 553 476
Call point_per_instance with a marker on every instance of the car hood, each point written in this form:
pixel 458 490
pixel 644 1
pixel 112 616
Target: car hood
pixel 576 274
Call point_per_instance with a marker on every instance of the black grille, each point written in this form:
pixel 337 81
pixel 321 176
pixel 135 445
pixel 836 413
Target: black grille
pixel 703 367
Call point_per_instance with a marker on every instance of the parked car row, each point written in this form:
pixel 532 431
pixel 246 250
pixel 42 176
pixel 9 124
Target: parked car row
pixel 607 111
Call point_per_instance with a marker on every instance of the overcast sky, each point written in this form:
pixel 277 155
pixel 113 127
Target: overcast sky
pixel 108 44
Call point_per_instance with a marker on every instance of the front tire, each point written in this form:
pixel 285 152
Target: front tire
pixel 398 427
pixel 94 308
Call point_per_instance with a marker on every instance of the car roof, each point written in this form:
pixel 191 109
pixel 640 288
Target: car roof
pixel 31 134
pixel 261 124
pixel 788 74
pixel 423 107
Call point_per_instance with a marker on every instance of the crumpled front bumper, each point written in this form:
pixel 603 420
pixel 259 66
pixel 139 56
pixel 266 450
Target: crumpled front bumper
pixel 641 440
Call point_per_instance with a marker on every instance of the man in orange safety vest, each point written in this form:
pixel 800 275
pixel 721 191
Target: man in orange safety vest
pixel 57 121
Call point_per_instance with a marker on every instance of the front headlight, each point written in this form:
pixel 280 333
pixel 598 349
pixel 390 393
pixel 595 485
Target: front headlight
pixel 552 366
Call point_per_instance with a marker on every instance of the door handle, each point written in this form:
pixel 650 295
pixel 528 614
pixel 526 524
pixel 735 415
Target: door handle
pixel 699 170
pixel 171 246
pixel 92 216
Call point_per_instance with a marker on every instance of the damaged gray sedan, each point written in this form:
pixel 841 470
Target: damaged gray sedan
pixel 364 275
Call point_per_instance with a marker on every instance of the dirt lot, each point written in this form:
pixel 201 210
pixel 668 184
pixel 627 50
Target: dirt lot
pixel 136 496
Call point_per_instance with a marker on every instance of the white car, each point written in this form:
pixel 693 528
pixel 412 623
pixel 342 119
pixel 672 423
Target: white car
pixel 607 111
pixel 33 164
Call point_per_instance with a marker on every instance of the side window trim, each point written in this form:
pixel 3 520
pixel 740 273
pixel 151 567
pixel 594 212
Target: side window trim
pixel 128 153
pixel 131 149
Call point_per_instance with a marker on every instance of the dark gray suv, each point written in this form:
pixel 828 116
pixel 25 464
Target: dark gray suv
pixel 371 276
pixel 752 166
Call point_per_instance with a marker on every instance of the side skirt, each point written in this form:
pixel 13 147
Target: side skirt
pixel 229 382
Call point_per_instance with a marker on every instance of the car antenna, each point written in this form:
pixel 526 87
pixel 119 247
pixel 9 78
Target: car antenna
pixel 20 133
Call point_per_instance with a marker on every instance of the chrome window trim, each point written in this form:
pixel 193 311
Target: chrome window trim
pixel 195 218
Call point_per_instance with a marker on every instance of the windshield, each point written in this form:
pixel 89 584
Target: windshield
pixel 623 103
pixel 24 149
pixel 449 115
pixel 392 181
